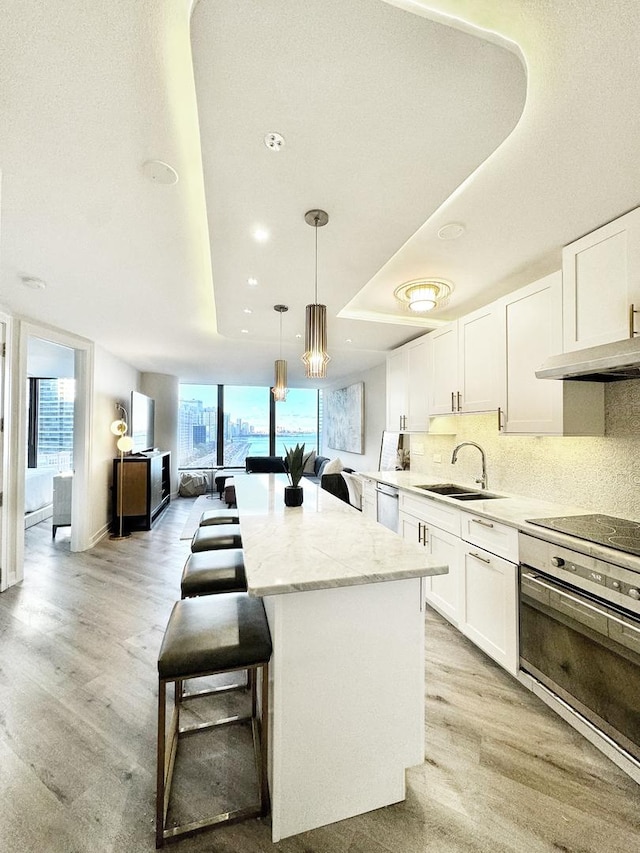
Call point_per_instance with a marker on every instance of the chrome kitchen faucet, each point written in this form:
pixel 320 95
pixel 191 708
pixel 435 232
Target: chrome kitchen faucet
pixel 454 459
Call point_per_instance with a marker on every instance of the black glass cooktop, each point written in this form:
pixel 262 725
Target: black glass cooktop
pixel 619 533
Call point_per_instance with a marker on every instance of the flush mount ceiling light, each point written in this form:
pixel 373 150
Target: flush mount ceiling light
pixel 315 355
pixel 280 381
pixel 159 172
pixel 274 141
pixel 423 294
pixel 260 234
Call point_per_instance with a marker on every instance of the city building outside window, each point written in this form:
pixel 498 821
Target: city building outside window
pixel 222 425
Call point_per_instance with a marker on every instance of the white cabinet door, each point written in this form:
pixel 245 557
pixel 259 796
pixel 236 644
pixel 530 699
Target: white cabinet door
pixel 477 360
pixel 444 371
pixel 397 385
pixel 443 591
pixel 488 607
pixel 531 331
pixel 418 362
pixel 601 284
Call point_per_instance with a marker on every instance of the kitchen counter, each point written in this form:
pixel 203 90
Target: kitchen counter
pixel 345 603
pixel 510 509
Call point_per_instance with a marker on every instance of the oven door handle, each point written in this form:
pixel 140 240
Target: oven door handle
pixel 559 591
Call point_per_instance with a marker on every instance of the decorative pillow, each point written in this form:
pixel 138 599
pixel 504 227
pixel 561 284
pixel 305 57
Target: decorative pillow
pixel 310 463
pixel 335 466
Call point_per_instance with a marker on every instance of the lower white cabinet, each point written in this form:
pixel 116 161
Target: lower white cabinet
pixel 417 517
pixel 479 595
pixel 489 605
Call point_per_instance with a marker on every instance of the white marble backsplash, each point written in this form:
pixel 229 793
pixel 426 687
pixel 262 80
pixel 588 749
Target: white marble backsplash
pixel 601 474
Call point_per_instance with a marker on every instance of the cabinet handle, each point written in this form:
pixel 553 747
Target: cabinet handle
pixel 422 533
pixel 632 311
pixel 458 395
pixel 499 419
pixel 453 405
pixel 482 523
pixel 478 557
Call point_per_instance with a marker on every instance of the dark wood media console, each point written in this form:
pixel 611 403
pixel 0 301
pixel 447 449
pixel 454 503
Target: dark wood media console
pixel 146 490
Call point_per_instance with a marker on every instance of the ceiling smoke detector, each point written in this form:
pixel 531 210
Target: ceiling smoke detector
pixel 159 172
pixel 451 231
pixel 33 282
pixel 274 141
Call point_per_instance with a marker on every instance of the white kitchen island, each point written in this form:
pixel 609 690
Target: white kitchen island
pixel 344 601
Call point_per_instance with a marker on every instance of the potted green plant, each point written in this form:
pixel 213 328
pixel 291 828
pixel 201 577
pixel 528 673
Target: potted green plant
pixel 295 467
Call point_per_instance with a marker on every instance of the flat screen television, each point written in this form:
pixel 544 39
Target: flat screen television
pixel 141 426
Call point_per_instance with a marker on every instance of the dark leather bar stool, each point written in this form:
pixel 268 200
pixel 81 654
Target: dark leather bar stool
pixel 216 536
pixel 213 572
pixel 208 636
pixel 219 516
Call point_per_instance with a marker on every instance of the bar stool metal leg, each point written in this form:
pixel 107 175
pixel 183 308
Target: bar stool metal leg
pixel 168 745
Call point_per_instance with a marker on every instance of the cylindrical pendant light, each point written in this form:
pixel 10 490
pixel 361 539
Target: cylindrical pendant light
pixel 315 355
pixel 280 380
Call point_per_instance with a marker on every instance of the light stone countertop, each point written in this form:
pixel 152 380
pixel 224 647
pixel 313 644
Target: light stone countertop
pixel 510 509
pixel 323 544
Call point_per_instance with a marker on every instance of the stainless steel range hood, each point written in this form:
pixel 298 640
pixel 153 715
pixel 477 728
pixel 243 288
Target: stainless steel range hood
pixel 605 363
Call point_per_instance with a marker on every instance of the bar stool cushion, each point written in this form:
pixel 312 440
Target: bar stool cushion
pixel 213 634
pixel 219 516
pixel 213 537
pixel 209 572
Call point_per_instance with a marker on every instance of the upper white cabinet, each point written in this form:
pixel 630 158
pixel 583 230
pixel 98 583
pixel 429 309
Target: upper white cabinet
pixel 477 360
pixel 530 330
pixel 397 386
pixel 602 284
pixel 444 370
pixel 407 386
pixel 463 364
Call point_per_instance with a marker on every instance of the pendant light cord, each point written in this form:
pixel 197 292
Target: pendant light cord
pixel 316 289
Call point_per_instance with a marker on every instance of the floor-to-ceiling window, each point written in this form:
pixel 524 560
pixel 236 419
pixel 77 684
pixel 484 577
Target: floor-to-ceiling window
pixel 223 424
pixel 246 423
pixel 297 420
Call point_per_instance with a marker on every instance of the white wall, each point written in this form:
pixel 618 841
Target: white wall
pixel 114 380
pixel 375 408
pixel 165 390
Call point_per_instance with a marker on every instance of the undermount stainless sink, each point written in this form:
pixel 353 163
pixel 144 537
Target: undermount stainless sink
pixel 459 493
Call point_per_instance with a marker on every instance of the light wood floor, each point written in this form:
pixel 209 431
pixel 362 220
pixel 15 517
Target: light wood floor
pixel 78 645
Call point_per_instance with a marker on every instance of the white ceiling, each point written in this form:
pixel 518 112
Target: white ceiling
pixel 397 120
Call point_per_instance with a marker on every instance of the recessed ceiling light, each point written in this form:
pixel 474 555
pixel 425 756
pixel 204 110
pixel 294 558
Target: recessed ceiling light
pixel 451 231
pixel 261 234
pixel 274 141
pixel 348 341
pixel 159 172
pixel 298 335
pixel 33 282
pixel 252 282
pixel 247 310
pixel 245 331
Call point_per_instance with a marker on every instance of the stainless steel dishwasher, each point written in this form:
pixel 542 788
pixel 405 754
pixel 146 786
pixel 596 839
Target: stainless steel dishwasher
pixel 387 500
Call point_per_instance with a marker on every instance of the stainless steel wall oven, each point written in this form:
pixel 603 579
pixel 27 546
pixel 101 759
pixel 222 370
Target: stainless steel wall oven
pixel 580 636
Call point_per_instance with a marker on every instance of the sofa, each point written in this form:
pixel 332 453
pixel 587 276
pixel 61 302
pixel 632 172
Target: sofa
pixel 264 465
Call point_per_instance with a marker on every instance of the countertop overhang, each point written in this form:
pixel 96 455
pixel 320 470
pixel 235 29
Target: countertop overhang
pixel 323 544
